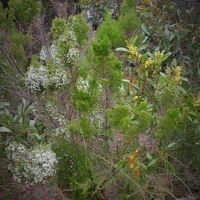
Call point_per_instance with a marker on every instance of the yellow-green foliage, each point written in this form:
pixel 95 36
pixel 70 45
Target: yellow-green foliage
pixel 119 118
pixel 169 124
pixel 108 67
pixel 128 19
pixel 82 127
pixel 59 27
pixel 141 117
pixel 80 28
pixel 112 30
pixel 84 101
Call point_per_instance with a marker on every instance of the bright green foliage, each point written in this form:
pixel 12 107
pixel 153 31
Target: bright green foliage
pixel 141 117
pixel 106 64
pixel 59 27
pixel 119 118
pixel 80 28
pixel 74 169
pixel 85 94
pixel 128 20
pixel 168 125
pixel 83 101
pixel 112 30
pixel 82 127
pixel 25 11
pixel 102 47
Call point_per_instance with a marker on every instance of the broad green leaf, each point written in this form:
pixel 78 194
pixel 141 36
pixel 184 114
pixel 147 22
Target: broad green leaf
pixel 142 165
pixel 140 48
pixel 182 89
pixel 169 146
pixel 153 162
pixel 189 117
pixel 144 29
pixel 32 123
pixel 166 56
pixel 134 122
pixel 122 49
pixel 184 79
pixel 126 80
pixel 134 39
pixel 5 130
pixel 121 164
pixel 151 83
pixel 35 135
pixel 149 156
pixel 163 75
pixel 3 104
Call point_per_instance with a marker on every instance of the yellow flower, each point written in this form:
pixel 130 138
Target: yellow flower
pixel 138 56
pixel 132 50
pixel 148 63
pixel 135 98
pixel 177 72
pixel 132 159
pixel 159 57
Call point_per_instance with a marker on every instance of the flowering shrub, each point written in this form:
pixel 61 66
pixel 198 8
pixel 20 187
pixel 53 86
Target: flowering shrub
pixel 37 78
pixel 31 166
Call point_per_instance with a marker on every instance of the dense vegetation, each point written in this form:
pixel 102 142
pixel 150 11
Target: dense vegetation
pixel 99 100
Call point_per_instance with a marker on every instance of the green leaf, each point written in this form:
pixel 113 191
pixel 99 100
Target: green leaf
pixel 122 49
pixel 142 165
pixel 153 162
pixel 3 104
pixel 190 118
pixel 163 75
pixel 126 80
pixel 133 40
pixel 5 130
pixel 151 82
pixel 149 156
pixel 182 89
pixel 171 167
pixel 166 56
pixel 121 164
pixel 140 48
pixel 144 29
pixel 169 146
pixel 134 122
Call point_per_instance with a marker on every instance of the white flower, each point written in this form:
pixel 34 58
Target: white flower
pixel 37 166
pixel 72 56
pixel 37 77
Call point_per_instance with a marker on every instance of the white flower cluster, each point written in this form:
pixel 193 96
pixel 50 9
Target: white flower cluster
pixel 83 84
pixel 55 114
pixel 59 79
pixel 31 166
pixel 37 78
pixel 61 131
pixel 71 37
pixel 63 52
pixel 72 56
